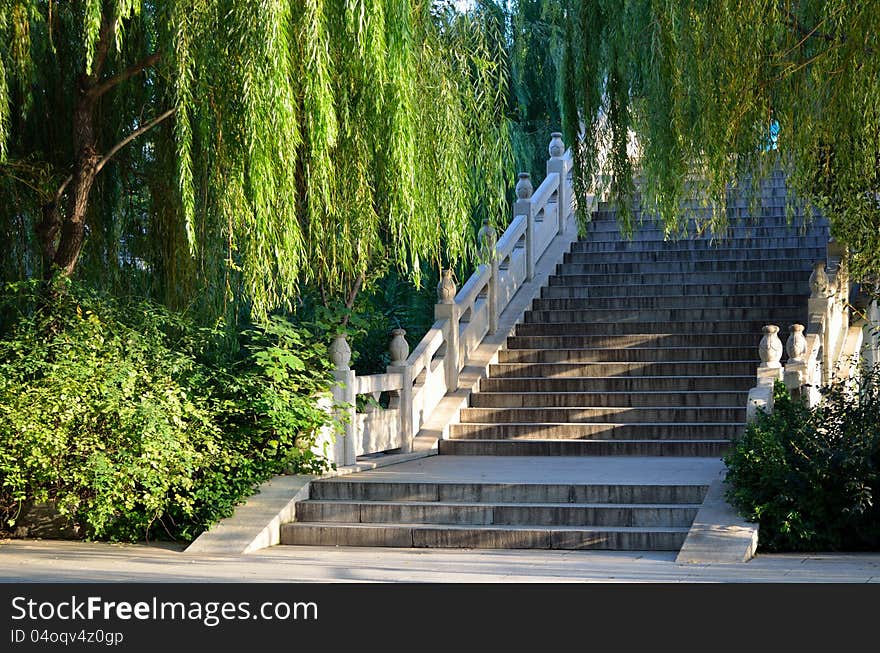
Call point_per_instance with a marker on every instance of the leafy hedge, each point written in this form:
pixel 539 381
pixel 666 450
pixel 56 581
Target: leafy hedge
pixel 811 478
pixel 138 423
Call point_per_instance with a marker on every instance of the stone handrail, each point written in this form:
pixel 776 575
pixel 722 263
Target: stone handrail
pixel 418 381
pixel 813 352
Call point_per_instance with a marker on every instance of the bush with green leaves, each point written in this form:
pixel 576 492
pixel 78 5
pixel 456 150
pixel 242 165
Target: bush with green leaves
pixel 811 477
pixel 136 423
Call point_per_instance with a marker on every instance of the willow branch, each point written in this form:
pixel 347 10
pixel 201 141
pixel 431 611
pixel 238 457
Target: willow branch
pixel 814 32
pixel 133 135
pixel 108 28
pixel 99 89
pixel 61 189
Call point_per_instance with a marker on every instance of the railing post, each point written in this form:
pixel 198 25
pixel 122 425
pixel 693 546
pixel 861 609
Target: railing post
pixel 795 374
pixel 769 371
pixel 523 206
pixel 344 397
pixel 557 165
pixel 447 309
pixel 873 335
pixel 839 297
pixel 820 304
pixel 488 241
pixel 399 350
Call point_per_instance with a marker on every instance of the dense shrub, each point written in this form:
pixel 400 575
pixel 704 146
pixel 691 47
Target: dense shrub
pixel 810 477
pixel 137 423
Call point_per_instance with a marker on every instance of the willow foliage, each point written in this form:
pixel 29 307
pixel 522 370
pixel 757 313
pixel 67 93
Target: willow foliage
pixel 307 142
pixel 535 59
pixel 686 92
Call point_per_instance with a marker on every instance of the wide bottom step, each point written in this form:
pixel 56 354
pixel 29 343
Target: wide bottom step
pixel 696 448
pixel 484 537
pixel 497 514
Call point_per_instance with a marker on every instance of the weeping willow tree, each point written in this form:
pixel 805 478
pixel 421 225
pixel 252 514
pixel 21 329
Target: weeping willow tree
pixel 696 86
pixel 535 28
pixel 222 154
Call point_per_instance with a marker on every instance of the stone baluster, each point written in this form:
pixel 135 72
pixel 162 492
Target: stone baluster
pixel 447 309
pixel 795 374
pixel 523 206
pixel 399 350
pixel 841 299
pixel 820 287
pixel 872 329
pixel 769 371
pixel 557 165
pixel 796 345
pixel 770 348
pixel 344 399
pixel 820 306
pixel 488 240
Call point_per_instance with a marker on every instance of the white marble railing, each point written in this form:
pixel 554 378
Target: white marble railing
pixel 814 352
pixel 418 381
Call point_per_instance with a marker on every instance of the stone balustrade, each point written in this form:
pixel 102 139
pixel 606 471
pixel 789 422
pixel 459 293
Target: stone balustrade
pixel 814 351
pixel 418 381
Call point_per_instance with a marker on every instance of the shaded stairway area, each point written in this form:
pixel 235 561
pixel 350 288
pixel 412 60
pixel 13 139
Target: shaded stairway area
pixel 603 421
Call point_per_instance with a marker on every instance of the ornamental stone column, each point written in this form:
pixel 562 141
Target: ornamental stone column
pixel 446 309
pixel 488 240
pixel 344 400
pixel 556 165
pixel 523 206
pixel 399 350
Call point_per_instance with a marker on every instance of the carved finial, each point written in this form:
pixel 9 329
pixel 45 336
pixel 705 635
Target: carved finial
pixel 796 345
pixel 487 239
pixel 340 353
pixel 819 284
pixel 557 147
pixel 770 347
pixel 446 288
pixel 399 348
pixel 524 186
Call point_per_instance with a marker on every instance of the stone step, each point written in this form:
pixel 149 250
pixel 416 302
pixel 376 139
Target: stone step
pixel 799 289
pixel 613 328
pixel 624 368
pixel 762 228
pixel 768 315
pixel 341 489
pixel 679 448
pixel 635 341
pixel 642 399
pixel 677 383
pixel 773 212
pixel 674 255
pixel 604 415
pixel 694 353
pixel 596 431
pixel 756 301
pixel 770 208
pixel 485 537
pixel 673 267
pixel 676 279
pixel 649 245
pixel 774 223
pixel 501 514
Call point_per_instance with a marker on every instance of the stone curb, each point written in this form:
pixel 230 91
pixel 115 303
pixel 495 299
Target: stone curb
pixel 718 534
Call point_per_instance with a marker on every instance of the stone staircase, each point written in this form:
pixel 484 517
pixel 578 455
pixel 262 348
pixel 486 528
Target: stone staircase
pixel 639 354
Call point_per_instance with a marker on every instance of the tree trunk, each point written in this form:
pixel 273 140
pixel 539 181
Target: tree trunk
pixel 85 169
pixel 70 227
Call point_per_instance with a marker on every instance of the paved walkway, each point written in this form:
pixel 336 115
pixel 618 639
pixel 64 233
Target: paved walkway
pixel 47 561
pixel 659 470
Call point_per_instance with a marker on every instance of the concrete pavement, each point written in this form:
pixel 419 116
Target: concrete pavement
pixel 63 561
